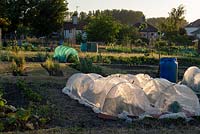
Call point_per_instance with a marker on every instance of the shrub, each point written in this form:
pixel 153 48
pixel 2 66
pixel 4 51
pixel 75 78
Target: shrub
pixel 72 58
pixel 86 66
pixel 118 49
pixel 18 64
pixel 161 43
pixel 140 42
pixel 29 93
pixel 52 67
pixel 5 56
pixel 41 57
pixel 13 119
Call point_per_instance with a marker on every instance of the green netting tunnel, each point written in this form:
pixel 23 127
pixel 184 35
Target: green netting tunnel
pixel 65 54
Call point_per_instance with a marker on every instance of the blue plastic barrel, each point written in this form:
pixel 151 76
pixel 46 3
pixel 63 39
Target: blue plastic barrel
pixel 169 69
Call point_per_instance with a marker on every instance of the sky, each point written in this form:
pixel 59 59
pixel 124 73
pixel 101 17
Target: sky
pixel 150 8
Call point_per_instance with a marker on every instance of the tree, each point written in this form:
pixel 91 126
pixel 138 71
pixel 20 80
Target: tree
pixel 82 16
pixel 175 21
pixel 173 26
pixel 127 34
pixel 4 22
pixel 128 17
pixel 42 16
pixel 156 22
pixel 48 16
pixel 102 28
pixel 176 16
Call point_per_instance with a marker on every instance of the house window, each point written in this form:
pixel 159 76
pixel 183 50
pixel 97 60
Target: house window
pixel 70 31
pixel 152 34
pixel 144 35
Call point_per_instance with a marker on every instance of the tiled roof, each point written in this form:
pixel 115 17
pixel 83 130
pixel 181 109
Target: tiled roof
pixel 149 28
pixel 194 24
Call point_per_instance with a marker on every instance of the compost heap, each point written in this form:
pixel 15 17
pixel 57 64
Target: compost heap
pixel 126 95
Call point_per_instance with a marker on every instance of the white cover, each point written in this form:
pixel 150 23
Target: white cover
pixel 182 94
pixel 122 95
pixel 110 95
pixel 191 78
pixel 155 87
pixel 162 93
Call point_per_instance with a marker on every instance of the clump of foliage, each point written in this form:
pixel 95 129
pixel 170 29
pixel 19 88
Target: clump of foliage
pixel 41 57
pixel 118 49
pixel 72 59
pixel 18 62
pixel 142 60
pixel 175 107
pixel 28 47
pixel 12 118
pixel 140 42
pixel 5 56
pixel 86 66
pixel 102 28
pixel 28 92
pixel 52 67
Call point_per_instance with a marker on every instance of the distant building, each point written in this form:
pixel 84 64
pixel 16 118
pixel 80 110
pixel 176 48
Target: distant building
pixel 193 29
pixel 148 32
pixel 71 29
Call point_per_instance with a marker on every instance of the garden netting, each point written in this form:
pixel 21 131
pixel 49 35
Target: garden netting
pixel 191 78
pixel 126 95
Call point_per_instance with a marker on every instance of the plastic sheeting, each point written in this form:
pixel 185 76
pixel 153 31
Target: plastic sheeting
pixel 128 95
pixel 191 78
pixel 63 53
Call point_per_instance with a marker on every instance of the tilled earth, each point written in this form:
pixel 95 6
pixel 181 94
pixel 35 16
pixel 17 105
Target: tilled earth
pixel 68 116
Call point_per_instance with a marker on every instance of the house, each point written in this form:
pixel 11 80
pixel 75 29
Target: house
pixel 193 29
pixel 71 29
pixel 147 31
pixel 196 33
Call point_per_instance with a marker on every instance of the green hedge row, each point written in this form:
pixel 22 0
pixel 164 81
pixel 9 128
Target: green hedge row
pixel 142 60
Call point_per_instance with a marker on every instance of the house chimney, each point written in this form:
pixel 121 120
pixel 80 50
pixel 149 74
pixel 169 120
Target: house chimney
pixel 75 18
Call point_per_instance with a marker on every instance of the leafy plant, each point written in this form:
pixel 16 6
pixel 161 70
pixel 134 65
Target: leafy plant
pixel 86 66
pixel 175 107
pixel 52 67
pixel 18 64
pixel 29 93
pixel 118 49
pixel 22 114
pixel 41 57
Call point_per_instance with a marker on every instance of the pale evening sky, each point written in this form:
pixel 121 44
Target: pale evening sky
pixel 150 8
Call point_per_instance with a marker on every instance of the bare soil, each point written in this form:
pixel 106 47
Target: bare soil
pixel 70 117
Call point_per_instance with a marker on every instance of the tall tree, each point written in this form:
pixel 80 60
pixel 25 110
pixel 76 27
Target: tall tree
pixel 156 22
pixel 175 21
pixel 82 16
pixel 48 16
pixel 102 28
pixel 173 26
pixel 177 17
pixel 128 17
pixel 127 34
pixel 43 16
